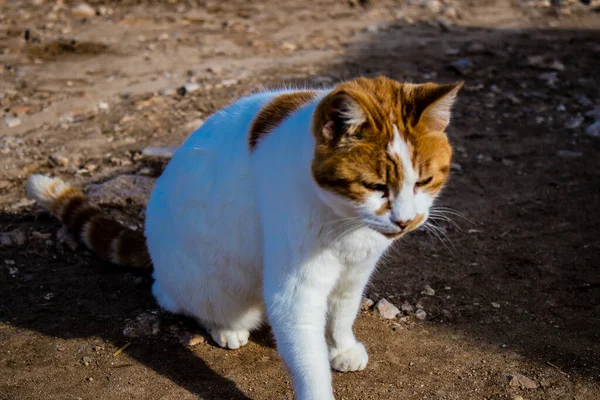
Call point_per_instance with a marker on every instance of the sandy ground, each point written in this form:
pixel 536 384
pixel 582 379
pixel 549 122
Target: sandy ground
pixel 514 311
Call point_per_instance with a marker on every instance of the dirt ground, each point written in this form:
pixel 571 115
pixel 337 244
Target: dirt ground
pixel 514 311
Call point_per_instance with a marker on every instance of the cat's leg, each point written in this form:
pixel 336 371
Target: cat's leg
pixel 296 300
pixel 345 352
pixel 163 299
pixel 233 336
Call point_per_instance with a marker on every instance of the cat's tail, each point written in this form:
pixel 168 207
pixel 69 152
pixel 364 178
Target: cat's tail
pixel 102 234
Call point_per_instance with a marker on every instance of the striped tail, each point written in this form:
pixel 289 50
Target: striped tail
pixel 105 236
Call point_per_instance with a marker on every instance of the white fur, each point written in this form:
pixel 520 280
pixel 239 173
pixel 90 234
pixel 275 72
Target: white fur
pixel 45 190
pixel 233 233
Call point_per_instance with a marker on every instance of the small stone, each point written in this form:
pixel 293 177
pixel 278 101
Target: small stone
pixel 407 308
pixel 421 314
pixel 435 6
pixel 386 309
pixel 123 191
pixel 569 153
pixel 583 100
pixel 90 379
pixel 191 340
pixel 103 106
pixel 463 66
pixel 593 130
pixel 366 303
pixel 427 290
pixel 456 167
pixel 229 82
pixel 19 111
pixel 83 11
pixel 495 305
pixel 12 271
pixel 59 160
pixel 594 113
pixel 49 296
pixel 145 324
pixel 574 122
pixel 521 381
pixel 518 397
pixel 189 87
pixel 11 122
pixel 162 152
pixel 13 238
pixel 287 46
pixel 86 361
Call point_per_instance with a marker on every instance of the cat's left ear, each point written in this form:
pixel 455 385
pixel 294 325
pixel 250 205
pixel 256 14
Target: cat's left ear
pixel 433 104
pixel 337 118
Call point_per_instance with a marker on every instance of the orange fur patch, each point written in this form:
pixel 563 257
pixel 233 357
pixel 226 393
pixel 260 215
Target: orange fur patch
pixel 358 155
pixel 275 112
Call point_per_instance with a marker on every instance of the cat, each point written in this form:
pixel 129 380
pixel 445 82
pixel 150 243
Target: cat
pixel 280 207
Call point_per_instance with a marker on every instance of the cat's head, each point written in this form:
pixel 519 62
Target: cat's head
pixel 381 151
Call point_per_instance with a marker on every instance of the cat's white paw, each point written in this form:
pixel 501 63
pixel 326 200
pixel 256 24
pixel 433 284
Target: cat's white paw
pixel 352 359
pixel 229 338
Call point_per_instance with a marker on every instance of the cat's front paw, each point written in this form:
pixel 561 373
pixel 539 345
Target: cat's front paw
pixel 354 358
pixel 229 338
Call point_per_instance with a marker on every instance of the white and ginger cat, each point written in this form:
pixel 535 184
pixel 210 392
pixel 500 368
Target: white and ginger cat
pixel 282 203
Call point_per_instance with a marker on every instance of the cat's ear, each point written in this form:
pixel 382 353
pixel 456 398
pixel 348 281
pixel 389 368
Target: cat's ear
pixel 338 116
pixel 432 105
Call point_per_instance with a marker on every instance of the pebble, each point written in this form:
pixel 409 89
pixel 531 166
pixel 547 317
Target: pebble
pixel 162 152
pixel 574 122
pixel 287 46
pixel 495 305
pixel 521 381
pixel 59 160
pixel 14 238
pixel 366 303
pixel 407 308
pixel 145 324
pixel 593 130
pixel 421 314
pixel 428 290
pixel 569 153
pixel 189 87
pixel 189 339
pixel 86 361
pixel 194 124
pixel 123 191
pixel 463 65
pixel 386 309
pixel 11 122
pixel 83 10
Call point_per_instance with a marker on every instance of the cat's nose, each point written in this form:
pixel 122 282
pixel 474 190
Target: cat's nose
pixel 402 223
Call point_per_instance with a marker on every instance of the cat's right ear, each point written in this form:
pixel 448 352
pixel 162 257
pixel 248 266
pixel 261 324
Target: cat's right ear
pixel 337 118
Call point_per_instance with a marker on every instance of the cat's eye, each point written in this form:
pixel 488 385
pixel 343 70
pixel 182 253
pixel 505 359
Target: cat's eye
pixel 424 182
pixel 378 187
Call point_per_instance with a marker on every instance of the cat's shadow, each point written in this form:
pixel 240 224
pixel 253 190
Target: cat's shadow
pixel 90 298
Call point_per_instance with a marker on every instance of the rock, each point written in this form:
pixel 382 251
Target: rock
pixel 366 303
pixel 593 129
pixel 162 152
pixel 521 381
pixel 427 290
pixel 19 111
pixel 463 65
pixel 64 238
pixel 123 190
pixel 407 308
pixel 495 304
pixel 13 238
pixel 189 87
pixel 11 122
pixel 191 340
pixel 421 314
pixel 386 309
pixel 86 361
pixel 583 100
pixel 194 124
pixel 594 113
pixel 551 78
pixel 574 122
pixel 568 154
pixel 59 160
pixel 542 62
pixel 83 11
pixel 145 324
pixel 287 46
